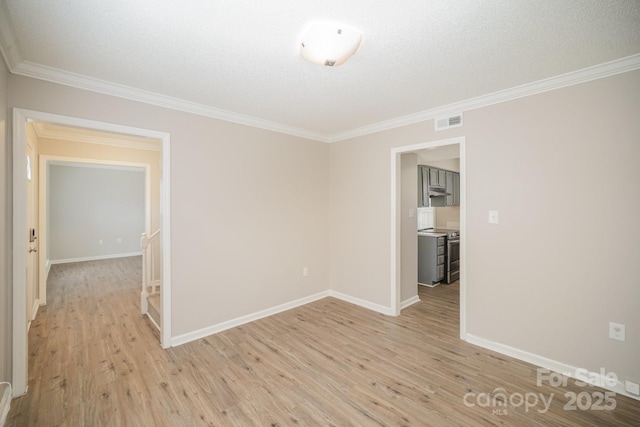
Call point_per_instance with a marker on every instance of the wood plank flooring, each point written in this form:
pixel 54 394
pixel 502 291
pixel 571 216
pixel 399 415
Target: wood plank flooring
pixel 94 361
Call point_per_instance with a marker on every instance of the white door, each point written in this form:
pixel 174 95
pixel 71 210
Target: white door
pixel 31 234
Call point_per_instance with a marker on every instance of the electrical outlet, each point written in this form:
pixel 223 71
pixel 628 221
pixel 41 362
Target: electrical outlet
pixel 616 331
pixel 119 240
pixel 631 387
pixel 305 272
pixel 493 217
pixel 100 241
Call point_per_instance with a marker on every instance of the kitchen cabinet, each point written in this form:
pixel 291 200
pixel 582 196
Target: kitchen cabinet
pixel 453 189
pixel 423 186
pixel 431 259
pixel 456 189
pixel 437 177
pixel 440 179
pixel 433 177
pixel 449 187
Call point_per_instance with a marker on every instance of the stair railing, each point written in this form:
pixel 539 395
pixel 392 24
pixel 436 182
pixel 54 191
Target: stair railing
pixel 150 278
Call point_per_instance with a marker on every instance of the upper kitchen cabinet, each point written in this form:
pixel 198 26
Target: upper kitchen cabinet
pixel 423 186
pixel 437 177
pixel 453 189
pixel 456 189
pixel 438 187
pixel 449 187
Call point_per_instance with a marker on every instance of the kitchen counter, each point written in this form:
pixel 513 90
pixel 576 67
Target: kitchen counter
pixel 431 234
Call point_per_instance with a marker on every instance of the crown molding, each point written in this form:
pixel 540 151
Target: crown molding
pixel 55 75
pixel 599 71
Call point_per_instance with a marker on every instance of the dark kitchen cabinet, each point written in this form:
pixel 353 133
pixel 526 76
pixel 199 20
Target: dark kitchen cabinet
pixel 433 177
pixel 443 181
pixel 450 188
pixel 456 189
pixel 437 177
pixel 431 259
pixel 423 186
pixel 453 188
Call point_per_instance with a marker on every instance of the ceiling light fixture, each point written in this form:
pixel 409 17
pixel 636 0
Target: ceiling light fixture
pixel 329 44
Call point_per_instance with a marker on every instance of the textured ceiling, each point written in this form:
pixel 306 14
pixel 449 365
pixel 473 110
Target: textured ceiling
pixel 240 57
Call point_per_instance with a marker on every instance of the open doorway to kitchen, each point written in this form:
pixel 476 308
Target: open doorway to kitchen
pixel 111 138
pixel 405 215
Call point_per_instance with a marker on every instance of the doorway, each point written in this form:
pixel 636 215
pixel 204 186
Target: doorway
pixel 21 235
pixel 79 207
pixel 32 233
pixel 396 232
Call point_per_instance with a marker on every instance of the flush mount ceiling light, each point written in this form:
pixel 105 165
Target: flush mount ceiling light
pixel 329 44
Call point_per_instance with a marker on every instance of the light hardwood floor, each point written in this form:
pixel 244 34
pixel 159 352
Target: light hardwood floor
pixel 93 361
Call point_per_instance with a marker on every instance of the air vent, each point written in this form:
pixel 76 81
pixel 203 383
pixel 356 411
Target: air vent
pixel 449 122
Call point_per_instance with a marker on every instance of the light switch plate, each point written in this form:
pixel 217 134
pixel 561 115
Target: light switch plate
pixel 493 217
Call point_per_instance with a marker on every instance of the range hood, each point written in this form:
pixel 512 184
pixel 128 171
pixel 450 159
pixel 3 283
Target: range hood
pixel 438 192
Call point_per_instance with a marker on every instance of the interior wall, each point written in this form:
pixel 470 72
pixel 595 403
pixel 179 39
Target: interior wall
pixel 543 280
pixel 448 164
pixel 95 211
pixel 91 151
pixel 5 232
pixel 113 153
pixel 409 226
pixel 249 207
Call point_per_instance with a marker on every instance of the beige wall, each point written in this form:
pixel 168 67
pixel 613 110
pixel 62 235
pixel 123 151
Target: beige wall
pixel 449 164
pixel 408 226
pixel 5 233
pixel 95 211
pixel 83 150
pixel 560 265
pixel 249 207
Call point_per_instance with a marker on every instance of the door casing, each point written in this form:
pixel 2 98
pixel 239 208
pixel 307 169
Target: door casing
pixel 395 261
pixel 19 245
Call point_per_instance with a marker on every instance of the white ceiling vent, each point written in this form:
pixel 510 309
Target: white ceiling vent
pixel 449 122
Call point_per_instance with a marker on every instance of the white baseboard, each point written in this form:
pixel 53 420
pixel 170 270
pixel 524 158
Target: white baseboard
pixel 94 258
pixel 430 285
pixel 362 303
pixel 409 302
pixel 552 365
pixel 214 329
pixel 34 311
pixel 152 321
